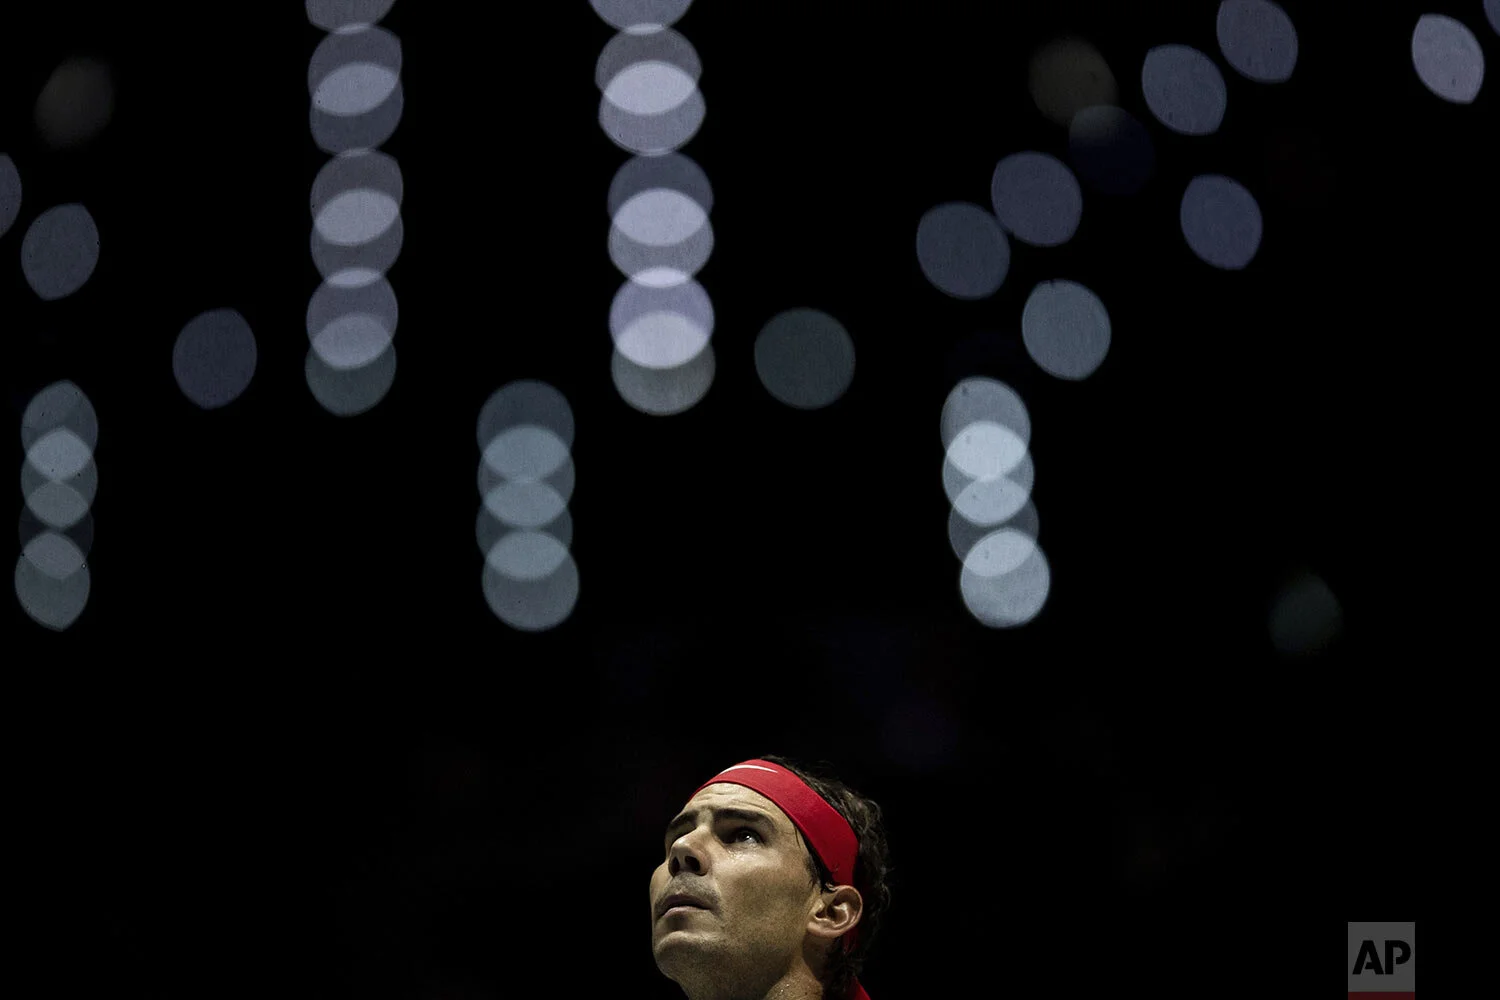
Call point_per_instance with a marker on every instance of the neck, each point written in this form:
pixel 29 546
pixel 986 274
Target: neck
pixel 789 987
pixel 794 990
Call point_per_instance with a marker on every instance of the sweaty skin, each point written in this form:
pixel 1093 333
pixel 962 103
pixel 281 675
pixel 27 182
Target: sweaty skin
pixel 766 928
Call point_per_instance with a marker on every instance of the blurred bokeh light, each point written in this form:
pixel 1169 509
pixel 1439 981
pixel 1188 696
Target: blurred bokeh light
pixel 75 103
pixel 962 250
pixel 214 357
pixel 1447 57
pixel 805 358
pixel 1305 616
pixel 660 234
pixel 354 78
pixel 1065 329
pixel 651 102
pixel 1067 75
pixel 662 392
pixel 1037 198
pixel 1258 40
pixel 1221 221
pixel 60 251
pixel 1184 89
pixel 661 327
pixel 357 231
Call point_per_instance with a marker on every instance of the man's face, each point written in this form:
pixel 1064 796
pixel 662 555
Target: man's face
pixel 752 876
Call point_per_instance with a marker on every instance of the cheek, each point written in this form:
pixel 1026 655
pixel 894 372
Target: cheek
pixel 767 906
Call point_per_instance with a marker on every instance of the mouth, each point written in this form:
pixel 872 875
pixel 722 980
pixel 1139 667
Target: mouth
pixel 678 903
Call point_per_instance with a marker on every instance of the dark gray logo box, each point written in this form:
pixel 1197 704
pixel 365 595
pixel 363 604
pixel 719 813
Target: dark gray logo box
pixel 1401 978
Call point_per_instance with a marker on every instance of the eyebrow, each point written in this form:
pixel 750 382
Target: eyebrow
pixel 686 818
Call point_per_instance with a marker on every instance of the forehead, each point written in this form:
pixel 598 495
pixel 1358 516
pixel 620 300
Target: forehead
pixel 723 793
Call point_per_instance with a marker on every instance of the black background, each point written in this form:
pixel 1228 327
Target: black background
pixel 288 748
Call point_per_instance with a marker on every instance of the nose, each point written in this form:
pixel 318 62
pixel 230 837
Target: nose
pixel 684 855
pixel 684 858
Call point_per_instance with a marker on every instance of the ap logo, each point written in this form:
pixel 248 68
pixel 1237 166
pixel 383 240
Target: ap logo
pixel 1382 961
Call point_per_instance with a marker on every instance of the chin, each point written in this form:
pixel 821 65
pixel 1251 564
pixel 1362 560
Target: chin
pixel 675 958
pixel 670 949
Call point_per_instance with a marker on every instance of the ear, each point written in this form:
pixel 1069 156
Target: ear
pixel 839 910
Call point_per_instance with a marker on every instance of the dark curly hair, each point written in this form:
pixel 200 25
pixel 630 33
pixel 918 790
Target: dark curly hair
pixel 872 869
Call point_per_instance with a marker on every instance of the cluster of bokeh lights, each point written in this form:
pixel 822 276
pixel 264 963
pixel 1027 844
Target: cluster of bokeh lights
pixel 354 79
pixel 650 105
pixel 661 319
pixel 59 428
pixel 1036 199
pixel 988 475
pixel 526 477
pixel 60 250
pixel 59 479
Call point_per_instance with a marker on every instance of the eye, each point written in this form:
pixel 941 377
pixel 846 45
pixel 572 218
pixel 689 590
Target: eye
pixel 744 829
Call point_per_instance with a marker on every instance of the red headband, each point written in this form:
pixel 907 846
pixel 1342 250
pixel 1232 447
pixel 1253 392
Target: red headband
pixel 829 835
